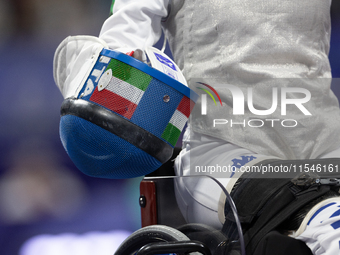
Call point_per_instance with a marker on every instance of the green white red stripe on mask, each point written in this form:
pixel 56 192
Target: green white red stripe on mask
pixel 177 122
pixel 124 90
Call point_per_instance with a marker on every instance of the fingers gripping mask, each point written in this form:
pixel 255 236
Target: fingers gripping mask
pixel 120 118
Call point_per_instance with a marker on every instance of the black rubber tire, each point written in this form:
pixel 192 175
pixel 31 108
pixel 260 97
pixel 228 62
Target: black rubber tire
pixel 149 234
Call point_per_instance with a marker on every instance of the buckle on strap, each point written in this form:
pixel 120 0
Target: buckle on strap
pixel 308 179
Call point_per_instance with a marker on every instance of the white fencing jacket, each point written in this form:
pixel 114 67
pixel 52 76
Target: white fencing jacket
pixel 256 44
pixel 263 45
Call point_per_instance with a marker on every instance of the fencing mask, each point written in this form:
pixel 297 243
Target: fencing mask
pixel 120 118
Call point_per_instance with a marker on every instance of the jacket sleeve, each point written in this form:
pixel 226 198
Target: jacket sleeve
pixel 320 229
pixel 134 24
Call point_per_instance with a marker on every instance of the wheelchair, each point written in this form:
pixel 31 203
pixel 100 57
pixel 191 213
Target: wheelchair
pixel 165 230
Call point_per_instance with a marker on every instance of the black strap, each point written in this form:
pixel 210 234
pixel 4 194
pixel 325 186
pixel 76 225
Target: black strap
pixel 278 244
pixel 269 221
pixel 265 203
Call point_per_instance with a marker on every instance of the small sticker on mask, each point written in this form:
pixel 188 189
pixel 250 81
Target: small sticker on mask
pixel 163 63
pixel 105 80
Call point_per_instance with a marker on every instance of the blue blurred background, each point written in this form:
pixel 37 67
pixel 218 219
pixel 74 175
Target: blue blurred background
pixel 41 191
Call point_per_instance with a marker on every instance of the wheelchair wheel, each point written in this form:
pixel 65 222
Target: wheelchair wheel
pixel 203 233
pixel 147 235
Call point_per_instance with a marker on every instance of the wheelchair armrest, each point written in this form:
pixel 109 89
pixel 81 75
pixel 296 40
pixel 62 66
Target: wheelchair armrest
pixel 157 197
pixel 158 203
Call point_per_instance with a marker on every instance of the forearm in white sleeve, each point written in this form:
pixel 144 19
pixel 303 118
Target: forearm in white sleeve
pixel 320 229
pixel 134 24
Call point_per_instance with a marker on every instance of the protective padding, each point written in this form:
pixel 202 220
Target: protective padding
pixel 94 151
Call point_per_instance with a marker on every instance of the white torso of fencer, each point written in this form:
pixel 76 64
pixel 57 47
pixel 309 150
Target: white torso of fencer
pixel 262 45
